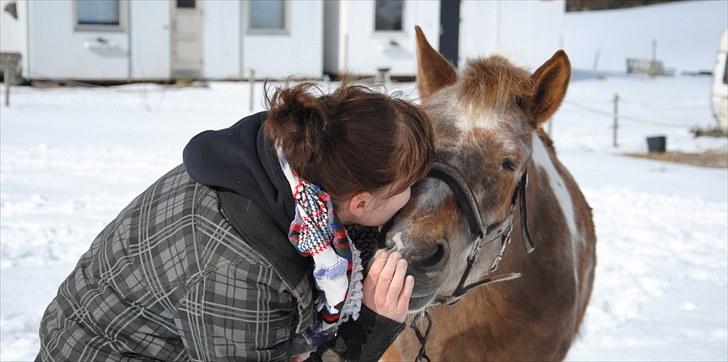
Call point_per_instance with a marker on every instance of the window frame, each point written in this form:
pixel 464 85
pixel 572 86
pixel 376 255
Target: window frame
pixel 268 31
pixel 121 27
pixel 387 32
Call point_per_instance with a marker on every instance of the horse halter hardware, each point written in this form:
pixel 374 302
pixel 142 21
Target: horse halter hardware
pixel 481 234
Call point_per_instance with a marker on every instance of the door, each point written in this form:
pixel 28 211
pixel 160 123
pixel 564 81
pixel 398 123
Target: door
pixel 186 43
pixel 450 30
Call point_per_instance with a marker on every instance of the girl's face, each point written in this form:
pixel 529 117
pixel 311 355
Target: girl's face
pixel 371 209
pixel 383 209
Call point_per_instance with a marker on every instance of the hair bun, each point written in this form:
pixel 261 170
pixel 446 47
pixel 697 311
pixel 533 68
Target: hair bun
pixel 297 121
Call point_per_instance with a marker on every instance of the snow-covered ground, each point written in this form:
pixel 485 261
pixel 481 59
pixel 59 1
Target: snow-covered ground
pixel 73 157
pixel 686 32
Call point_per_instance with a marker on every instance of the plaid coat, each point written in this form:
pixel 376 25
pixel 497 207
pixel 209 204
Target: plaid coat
pixel 171 279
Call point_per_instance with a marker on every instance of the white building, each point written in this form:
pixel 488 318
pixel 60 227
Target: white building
pixel 163 39
pixel 362 36
pixel 226 39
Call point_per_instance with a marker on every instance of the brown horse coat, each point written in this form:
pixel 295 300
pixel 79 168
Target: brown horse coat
pixel 488 119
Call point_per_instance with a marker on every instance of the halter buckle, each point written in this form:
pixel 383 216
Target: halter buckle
pixel 478 244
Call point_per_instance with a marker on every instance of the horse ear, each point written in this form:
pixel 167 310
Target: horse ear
pixel 433 71
pixel 551 81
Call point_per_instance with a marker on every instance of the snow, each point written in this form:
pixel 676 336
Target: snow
pixel 687 35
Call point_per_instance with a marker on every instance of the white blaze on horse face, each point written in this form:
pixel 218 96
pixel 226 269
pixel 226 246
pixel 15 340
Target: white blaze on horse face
pixel 398 242
pixel 542 158
pixel 469 115
pixel 471 118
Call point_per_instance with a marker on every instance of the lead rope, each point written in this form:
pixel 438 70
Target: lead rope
pixel 422 338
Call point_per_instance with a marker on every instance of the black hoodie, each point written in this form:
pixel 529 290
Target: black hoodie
pixel 243 160
pixel 240 158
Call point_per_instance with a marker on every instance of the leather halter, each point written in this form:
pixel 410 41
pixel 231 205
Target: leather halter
pixel 481 233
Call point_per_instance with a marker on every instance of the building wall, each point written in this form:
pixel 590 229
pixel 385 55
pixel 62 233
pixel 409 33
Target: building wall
pixel 150 39
pixel 362 50
pixel 13 32
pixel 527 32
pixel 59 51
pixel 221 44
pixel 56 50
pixel 296 53
pixel 478 29
pixel 532 31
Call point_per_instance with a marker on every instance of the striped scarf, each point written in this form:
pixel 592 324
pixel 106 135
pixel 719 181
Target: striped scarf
pixel 316 232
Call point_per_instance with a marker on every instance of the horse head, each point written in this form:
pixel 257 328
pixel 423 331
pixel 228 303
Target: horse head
pixel 484 120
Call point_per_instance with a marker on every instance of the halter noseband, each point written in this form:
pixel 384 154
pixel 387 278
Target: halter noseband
pixel 481 233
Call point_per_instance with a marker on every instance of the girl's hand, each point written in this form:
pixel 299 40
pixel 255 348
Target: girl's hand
pixel 299 357
pixel 387 288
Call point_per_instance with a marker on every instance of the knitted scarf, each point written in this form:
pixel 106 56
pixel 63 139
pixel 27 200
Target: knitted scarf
pixel 316 232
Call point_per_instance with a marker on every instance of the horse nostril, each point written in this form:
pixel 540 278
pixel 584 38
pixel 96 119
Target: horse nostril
pixel 431 258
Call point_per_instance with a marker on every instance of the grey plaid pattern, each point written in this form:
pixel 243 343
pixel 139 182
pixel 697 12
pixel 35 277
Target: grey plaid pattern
pixel 170 279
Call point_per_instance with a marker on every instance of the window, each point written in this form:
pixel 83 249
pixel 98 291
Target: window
pixel 388 15
pixel 267 15
pixel 725 71
pixel 185 4
pixel 104 13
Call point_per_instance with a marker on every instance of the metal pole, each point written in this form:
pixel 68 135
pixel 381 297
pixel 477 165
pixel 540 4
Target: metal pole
pixel 252 88
pixel 616 120
pixel 8 81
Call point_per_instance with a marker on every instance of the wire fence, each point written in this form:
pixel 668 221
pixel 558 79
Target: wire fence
pixel 617 115
pixel 624 117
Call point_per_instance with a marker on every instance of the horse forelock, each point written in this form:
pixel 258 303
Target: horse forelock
pixel 488 89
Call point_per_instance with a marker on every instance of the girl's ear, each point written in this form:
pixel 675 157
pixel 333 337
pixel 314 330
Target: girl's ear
pixel 359 203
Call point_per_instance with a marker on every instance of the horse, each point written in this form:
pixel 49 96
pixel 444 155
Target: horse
pixel 496 171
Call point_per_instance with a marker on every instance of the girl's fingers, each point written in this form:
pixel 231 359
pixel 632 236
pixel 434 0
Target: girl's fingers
pixel 385 277
pixel 395 287
pixel 375 267
pixel 404 297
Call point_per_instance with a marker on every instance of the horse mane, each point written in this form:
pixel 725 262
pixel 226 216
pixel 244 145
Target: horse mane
pixel 546 139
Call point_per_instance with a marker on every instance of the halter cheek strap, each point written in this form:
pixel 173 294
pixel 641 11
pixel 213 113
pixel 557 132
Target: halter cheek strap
pixel 481 233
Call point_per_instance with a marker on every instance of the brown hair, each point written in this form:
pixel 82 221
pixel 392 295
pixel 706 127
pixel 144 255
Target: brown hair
pixel 352 140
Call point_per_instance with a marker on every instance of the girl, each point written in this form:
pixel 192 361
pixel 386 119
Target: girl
pixel 241 252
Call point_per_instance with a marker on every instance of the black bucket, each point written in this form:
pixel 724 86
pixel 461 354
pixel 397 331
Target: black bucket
pixel 656 144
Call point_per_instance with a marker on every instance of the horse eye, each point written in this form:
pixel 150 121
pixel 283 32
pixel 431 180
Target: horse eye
pixel 518 101
pixel 508 165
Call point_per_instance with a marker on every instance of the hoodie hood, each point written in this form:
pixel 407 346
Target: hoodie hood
pixel 241 159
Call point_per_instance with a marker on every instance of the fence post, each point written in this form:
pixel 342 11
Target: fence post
pixel 8 82
pixel 252 88
pixel 616 120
